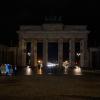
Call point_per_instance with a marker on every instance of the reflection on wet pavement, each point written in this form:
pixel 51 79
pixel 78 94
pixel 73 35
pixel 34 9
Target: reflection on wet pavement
pixel 77 71
pixel 71 71
pixel 28 70
pixel 39 71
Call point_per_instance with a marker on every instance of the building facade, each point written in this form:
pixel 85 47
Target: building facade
pixel 56 33
pixel 3 54
pixel 94 55
pixel 8 55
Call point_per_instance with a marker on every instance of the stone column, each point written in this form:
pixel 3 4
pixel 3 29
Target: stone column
pixel 90 58
pixel 34 53
pixel 45 52
pixel 83 52
pixel 60 52
pixel 19 58
pixel 72 52
pixel 22 53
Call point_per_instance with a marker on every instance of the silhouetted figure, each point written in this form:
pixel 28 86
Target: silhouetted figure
pixel 15 69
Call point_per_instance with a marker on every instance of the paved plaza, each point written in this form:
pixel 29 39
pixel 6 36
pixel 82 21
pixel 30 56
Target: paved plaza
pixel 51 87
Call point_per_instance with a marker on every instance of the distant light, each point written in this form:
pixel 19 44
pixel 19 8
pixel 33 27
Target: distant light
pixel 51 65
pixel 29 54
pixel 39 61
pixel 78 54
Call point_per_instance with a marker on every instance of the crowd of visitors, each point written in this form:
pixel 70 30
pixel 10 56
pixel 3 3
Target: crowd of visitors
pixel 8 69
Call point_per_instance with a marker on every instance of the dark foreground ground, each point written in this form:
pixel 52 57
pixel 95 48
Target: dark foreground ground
pixel 51 87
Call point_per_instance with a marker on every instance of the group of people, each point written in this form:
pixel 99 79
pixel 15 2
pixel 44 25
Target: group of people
pixel 8 69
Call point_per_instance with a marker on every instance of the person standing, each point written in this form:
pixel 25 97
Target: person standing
pixel 3 69
pixel 65 65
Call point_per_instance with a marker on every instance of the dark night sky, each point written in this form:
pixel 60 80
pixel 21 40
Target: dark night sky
pixel 33 12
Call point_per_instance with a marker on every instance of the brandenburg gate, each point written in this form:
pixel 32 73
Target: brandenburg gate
pixel 58 33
